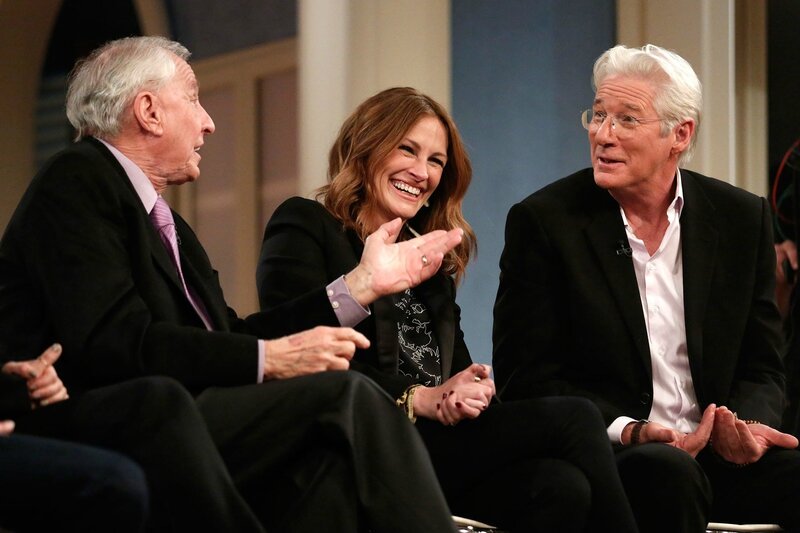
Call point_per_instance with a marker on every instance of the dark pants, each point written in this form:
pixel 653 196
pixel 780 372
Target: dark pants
pixel 532 465
pixel 328 452
pixel 671 492
pixel 52 485
pixel 155 422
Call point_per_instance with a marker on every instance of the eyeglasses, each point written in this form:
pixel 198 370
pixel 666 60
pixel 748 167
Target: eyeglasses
pixel 593 120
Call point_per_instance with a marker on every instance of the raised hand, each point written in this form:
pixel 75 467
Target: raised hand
pixel 388 267
pixel 308 352
pixel 44 385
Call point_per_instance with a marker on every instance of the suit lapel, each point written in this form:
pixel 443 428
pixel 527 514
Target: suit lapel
pixel 604 232
pixel 699 236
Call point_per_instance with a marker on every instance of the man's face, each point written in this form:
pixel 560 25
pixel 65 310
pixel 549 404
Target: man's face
pixel 629 159
pixel 185 124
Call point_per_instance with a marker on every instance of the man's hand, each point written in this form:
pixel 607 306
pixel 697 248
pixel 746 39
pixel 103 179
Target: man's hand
pixel 738 442
pixel 387 267
pixel 44 385
pixel 691 443
pixel 6 427
pixel 311 351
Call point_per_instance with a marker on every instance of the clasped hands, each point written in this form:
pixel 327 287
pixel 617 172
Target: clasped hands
pixel 44 385
pixel 732 439
pixel 465 395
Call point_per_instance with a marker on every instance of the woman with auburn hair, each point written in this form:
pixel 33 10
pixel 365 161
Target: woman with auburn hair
pixel 534 465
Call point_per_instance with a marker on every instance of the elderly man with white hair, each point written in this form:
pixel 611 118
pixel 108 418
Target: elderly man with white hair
pixel 648 288
pixel 95 258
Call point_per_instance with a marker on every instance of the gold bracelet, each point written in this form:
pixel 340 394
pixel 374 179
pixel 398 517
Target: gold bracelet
pixel 406 401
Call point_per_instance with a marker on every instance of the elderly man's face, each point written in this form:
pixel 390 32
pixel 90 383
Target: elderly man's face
pixel 185 124
pixel 641 158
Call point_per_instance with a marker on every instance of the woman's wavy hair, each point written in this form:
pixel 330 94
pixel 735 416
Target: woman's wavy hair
pixel 366 138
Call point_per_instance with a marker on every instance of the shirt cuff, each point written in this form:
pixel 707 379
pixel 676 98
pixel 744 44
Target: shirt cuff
pixel 615 429
pixel 347 309
pixel 262 355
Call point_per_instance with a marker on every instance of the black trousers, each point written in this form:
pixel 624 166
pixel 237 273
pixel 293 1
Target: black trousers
pixel 155 422
pixel 52 485
pixel 542 464
pixel 672 492
pixel 327 452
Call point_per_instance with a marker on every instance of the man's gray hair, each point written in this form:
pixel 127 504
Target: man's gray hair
pixel 104 84
pixel 679 94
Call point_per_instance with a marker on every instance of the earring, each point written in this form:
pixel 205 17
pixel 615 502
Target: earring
pixel 426 204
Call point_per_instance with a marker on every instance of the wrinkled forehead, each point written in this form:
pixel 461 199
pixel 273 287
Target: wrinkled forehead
pixel 184 73
pixel 626 93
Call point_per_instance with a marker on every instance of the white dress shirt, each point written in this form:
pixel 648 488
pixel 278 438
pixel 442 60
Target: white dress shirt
pixel 660 280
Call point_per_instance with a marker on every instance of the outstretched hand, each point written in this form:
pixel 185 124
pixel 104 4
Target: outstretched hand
pixel 691 443
pixel 389 267
pixel 44 385
pixel 741 443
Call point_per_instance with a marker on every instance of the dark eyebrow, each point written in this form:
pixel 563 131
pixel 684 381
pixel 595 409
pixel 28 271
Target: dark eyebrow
pixel 416 147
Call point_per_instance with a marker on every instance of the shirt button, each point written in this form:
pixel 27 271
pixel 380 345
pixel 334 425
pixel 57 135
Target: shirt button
pixel 335 305
pixel 330 292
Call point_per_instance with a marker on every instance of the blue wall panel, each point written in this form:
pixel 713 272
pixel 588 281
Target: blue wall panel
pixel 521 76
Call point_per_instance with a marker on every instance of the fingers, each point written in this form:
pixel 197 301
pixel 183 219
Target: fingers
pixel 772 437
pixel 33 368
pixel 389 231
pixel 703 431
pixel 453 408
pixel 437 242
pixel 51 354
pixel 6 427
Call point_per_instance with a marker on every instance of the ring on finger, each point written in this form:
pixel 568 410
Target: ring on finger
pixel 424 260
pixel 477 379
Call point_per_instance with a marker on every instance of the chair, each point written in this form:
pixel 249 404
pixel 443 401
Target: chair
pixel 722 527
pixel 465 525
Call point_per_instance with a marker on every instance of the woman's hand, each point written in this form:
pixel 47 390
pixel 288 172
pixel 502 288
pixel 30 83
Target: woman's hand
pixel 389 267
pixel 44 385
pixel 465 395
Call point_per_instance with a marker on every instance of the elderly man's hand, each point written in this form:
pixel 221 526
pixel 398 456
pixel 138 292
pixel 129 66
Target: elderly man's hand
pixel 691 443
pixel 389 267
pixel 311 351
pixel 738 442
pixel 6 427
pixel 44 385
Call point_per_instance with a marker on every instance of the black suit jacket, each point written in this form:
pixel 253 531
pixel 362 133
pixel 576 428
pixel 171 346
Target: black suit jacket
pixel 568 317
pixel 305 249
pixel 81 264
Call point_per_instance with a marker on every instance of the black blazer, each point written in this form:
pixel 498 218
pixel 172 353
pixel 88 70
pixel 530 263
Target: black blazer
pixel 568 317
pixel 81 264
pixel 305 249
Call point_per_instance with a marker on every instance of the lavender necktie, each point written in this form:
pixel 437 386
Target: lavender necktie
pixel 161 216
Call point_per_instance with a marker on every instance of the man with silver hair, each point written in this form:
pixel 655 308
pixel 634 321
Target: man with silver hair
pixel 98 261
pixel 648 288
